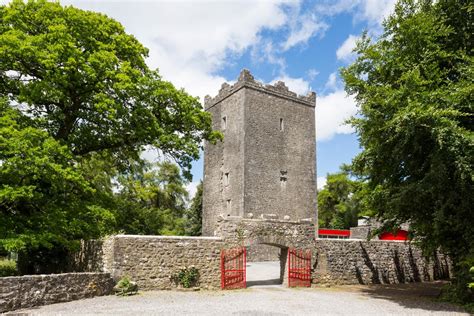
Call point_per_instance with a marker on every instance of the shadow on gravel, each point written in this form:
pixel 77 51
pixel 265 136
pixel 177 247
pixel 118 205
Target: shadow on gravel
pixel 412 295
pixel 264 282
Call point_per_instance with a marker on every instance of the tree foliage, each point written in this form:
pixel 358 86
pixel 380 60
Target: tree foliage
pixel 78 105
pixel 341 201
pixel 194 214
pixel 152 201
pixel 414 86
pixel 44 197
pixel 82 79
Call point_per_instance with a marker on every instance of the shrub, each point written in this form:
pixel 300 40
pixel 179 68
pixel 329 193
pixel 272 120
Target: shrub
pixel 8 268
pixel 125 287
pixel 187 277
pixel 461 289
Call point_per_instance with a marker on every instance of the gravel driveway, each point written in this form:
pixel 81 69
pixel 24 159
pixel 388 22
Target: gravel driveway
pixel 266 300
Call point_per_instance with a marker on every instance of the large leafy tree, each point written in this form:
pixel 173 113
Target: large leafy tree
pixel 79 105
pixel 45 199
pixel 84 80
pixel 414 86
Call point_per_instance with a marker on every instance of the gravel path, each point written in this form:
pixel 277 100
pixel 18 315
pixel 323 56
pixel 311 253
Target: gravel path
pixel 267 300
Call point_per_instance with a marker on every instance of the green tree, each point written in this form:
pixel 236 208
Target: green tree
pixel 152 201
pixel 80 105
pixel 414 87
pixel 340 202
pixel 194 214
pixel 44 198
pixel 82 79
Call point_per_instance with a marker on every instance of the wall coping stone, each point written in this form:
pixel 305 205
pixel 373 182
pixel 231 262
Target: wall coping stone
pixel 263 220
pixel 363 240
pixel 52 275
pixel 168 237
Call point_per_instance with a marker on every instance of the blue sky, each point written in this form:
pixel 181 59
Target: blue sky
pixel 198 45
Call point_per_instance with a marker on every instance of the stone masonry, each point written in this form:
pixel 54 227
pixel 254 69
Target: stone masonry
pixel 35 290
pixel 151 261
pixel 375 262
pixel 266 163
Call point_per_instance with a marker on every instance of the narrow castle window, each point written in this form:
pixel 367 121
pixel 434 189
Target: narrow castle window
pixel 283 178
pixel 229 206
pixel 226 178
pixel 282 125
pixel 224 122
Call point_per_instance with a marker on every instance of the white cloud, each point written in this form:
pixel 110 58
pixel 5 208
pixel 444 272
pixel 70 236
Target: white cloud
pixel 298 85
pixel 192 188
pixel 331 112
pixel 321 181
pixel 331 84
pixel 375 11
pixel 312 73
pixel 371 11
pixel 344 52
pixel 191 41
pixel 265 51
pixel 302 29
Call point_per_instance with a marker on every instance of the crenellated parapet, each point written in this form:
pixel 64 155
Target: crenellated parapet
pixel 247 80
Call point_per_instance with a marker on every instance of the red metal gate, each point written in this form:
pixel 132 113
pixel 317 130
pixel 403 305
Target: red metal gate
pixel 299 267
pixel 233 263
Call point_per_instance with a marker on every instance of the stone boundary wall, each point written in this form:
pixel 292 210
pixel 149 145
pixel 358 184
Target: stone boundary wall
pixel 151 261
pixel 374 262
pixel 35 290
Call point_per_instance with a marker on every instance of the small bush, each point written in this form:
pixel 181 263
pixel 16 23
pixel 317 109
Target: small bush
pixel 187 277
pixel 8 268
pixel 126 287
pixel 461 289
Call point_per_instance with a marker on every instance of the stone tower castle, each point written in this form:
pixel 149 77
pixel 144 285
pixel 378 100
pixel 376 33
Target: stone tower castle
pixel 267 160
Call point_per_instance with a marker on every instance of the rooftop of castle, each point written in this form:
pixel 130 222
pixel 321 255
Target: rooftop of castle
pixel 247 80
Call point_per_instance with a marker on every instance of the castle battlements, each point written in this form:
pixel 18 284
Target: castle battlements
pixel 247 80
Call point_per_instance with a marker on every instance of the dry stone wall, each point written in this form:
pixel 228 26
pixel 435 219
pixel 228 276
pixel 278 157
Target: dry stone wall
pixel 35 290
pixel 151 261
pixel 374 262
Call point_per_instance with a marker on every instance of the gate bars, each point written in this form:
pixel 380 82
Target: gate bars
pixel 234 261
pixel 233 268
pixel 299 268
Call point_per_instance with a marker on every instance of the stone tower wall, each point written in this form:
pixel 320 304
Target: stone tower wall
pixel 266 163
pixel 280 176
pixel 224 158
